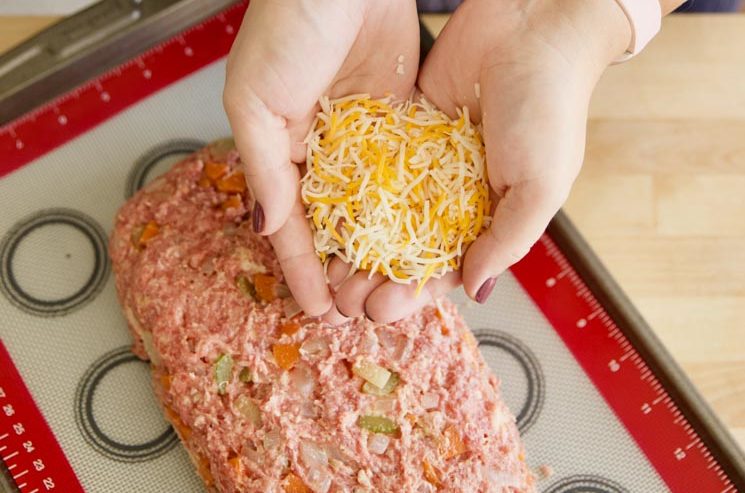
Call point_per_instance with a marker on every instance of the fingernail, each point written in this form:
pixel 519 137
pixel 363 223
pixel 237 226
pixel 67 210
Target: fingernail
pixel 258 218
pixel 368 316
pixel 485 290
pixel 341 312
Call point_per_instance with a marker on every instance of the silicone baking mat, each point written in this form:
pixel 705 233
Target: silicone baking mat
pixel 594 398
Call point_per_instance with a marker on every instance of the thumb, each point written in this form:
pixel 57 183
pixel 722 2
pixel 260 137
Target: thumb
pixel 520 218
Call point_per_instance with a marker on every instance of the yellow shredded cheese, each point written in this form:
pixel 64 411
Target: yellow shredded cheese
pixel 399 189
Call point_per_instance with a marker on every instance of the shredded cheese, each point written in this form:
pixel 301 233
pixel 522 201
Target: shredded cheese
pixel 399 189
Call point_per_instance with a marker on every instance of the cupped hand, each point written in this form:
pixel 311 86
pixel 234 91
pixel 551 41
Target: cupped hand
pixel 288 54
pixel 526 70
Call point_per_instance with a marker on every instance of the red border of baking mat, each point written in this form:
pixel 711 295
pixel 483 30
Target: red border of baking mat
pixel 608 358
pixel 614 366
pixel 28 448
pixel 68 116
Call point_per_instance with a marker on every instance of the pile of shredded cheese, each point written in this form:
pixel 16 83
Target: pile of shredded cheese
pixel 399 189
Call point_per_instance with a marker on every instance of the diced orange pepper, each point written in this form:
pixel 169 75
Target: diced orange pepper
pixel 412 419
pixel 204 182
pixel 215 171
pixel 289 328
pixel 232 202
pixel 265 287
pixel 165 382
pixel 235 183
pixel 183 430
pixel 235 464
pixel 293 484
pixel 450 444
pixel 430 473
pixel 150 230
pixel 204 471
pixel 286 355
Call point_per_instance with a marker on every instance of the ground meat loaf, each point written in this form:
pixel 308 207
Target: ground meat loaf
pixel 267 400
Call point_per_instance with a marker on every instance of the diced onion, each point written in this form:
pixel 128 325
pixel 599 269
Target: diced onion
pixel 149 345
pixel 271 440
pixel 248 409
pixel 313 455
pixel 369 371
pixel 389 386
pixel 384 405
pixel 378 443
pixel 319 480
pixel 430 400
pixel 302 381
pixel 369 343
pixel 314 345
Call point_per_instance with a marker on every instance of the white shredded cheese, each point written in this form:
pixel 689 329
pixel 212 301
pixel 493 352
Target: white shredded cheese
pixel 399 189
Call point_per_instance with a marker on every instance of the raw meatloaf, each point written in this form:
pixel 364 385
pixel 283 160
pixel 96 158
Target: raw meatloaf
pixel 267 400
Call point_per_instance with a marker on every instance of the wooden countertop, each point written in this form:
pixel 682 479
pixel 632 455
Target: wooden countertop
pixel 661 197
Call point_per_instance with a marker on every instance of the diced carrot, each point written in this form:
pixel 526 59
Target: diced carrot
pixel 289 328
pixel 450 444
pixel 183 430
pixel 215 171
pixel 235 183
pixel 204 182
pixel 265 287
pixel 165 382
pixel 430 473
pixel 235 464
pixel 286 355
pixel 232 202
pixel 293 484
pixel 205 472
pixel 149 231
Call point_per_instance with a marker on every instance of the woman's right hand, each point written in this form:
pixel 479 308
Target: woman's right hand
pixel 286 56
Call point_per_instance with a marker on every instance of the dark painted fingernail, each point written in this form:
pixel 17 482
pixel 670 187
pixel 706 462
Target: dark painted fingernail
pixel 485 290
pixel 258 218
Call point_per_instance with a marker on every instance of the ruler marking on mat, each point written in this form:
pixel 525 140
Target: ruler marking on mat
pixel 39 131
pixel 668 440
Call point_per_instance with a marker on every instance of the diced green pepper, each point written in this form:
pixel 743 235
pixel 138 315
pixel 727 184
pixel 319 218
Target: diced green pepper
pixel 223 370
pixel 377 424
pixel 219 149
pixel 246 287
pixel 389 386
pixel 245 375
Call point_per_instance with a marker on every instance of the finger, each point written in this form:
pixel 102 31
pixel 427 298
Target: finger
pixel 334 317
pixel 392 301
pixel 337 272
pixel 352 294
pixel 274 77
pixel 519 219
pixel 263 142
pixel 302 268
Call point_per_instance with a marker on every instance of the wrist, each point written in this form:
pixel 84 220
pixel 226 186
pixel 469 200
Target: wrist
pixel 593 34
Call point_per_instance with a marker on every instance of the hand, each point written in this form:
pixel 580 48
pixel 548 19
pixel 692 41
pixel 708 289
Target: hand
pixel 536 64
pixel 288 54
